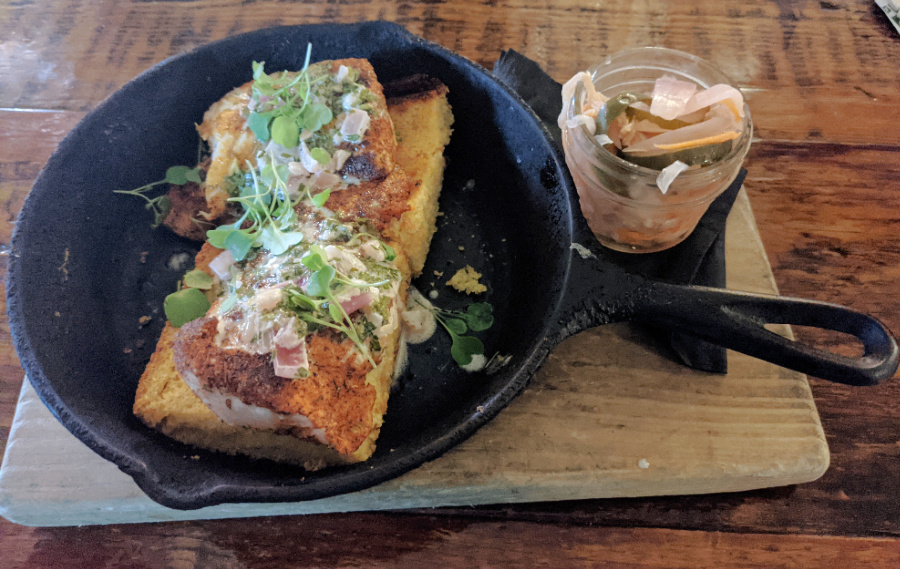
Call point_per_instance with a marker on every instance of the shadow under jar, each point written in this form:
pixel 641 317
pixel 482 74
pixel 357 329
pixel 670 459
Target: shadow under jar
pixel 621 201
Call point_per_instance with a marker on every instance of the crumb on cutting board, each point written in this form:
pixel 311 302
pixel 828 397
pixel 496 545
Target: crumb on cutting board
pixel 467 280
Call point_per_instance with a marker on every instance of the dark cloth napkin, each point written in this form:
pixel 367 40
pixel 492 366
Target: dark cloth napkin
pixel 700 259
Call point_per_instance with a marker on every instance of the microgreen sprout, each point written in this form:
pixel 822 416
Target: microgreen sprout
pixel 282 106
pixel 389 252
pixel 478 317
pixel 320 198
pixel 198 279
pixel 160 205
pixel 318 304
pixel 268 212
pixel 189 302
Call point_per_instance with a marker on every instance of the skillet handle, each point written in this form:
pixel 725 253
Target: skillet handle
pixel 735 320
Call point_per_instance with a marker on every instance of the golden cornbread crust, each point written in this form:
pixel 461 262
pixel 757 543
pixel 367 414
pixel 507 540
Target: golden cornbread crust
pixel 373 158
pixel 346 399
pixel 422 120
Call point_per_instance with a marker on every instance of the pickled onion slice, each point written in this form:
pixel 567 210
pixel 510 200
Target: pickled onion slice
pixel 668 174
pixel 670 97
pixel 715 129
pixel 568 90
pixel 725 94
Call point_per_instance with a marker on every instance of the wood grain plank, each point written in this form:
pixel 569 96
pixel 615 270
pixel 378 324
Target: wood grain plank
pixel 84 50
pixel 838 213
pixel 385 540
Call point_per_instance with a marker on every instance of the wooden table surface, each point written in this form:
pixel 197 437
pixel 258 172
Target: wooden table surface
pixel 823 82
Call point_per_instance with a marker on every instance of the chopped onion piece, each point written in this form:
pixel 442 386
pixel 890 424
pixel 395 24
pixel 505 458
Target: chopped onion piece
pixel 356 123
pixel 339 157
pixel 290 361
pixel 668 174
pixel 297 169
pixel 268 298
pixel 221 264
pixel 327 180
pixel 568 90
pixel 287 337
pixel 583 120
pixel 671 96
pixel 309 163
pixel 373 250
pixel 357 302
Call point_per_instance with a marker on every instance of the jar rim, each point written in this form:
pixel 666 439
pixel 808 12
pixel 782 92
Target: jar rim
pixel 738 150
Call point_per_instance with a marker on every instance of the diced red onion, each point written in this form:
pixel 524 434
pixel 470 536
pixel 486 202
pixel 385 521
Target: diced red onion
pixel 340 156
pixel 293 183
pixel 311 164
pixel 287 337
pixel 357 302
pixel 288 361
pixel 297 169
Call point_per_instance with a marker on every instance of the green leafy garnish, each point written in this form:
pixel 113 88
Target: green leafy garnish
pixel 320 155
pixel 464 348
pixel 185 305
pixel 285 131
pixel 478 317
pixel 318 305
pixel 181 175
pixel 161 205
pixel 320 198
pixel 389 252
pixel 198 279
pixel 269 216
pixel 283 107
pixel 259 124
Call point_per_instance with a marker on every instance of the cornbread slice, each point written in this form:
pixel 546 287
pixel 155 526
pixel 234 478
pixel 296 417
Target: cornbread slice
pixel 422 120
pixel 165 401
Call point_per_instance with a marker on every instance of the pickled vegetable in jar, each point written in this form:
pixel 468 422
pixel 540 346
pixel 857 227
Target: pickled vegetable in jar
pixel 652 136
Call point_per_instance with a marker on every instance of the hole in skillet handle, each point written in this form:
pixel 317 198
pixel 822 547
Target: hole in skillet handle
pixel 737 320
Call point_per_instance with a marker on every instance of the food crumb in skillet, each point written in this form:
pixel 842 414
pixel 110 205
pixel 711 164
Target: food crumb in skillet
pixel 467 280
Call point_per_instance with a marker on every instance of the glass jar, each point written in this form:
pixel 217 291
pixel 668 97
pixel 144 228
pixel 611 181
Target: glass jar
pixel 621 201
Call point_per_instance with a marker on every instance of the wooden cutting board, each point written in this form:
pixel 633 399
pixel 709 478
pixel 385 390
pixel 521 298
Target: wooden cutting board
pixel 609 415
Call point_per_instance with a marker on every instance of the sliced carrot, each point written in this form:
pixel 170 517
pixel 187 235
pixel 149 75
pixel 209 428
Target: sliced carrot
pixel 723 137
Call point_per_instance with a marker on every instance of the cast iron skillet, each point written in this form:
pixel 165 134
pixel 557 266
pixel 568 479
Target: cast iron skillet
pixel 86 267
